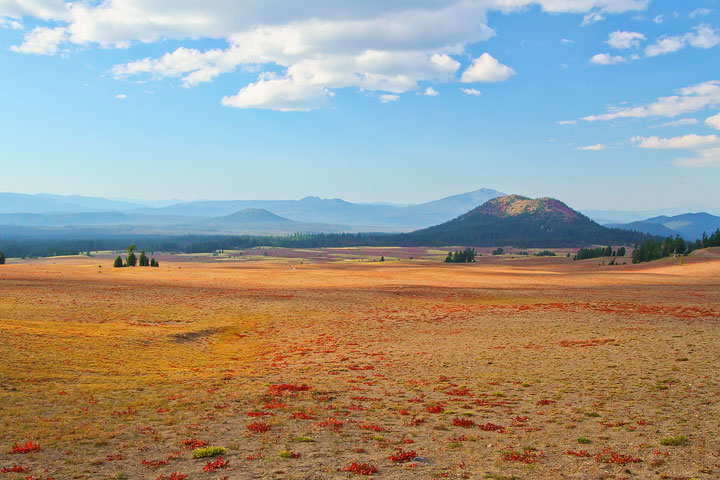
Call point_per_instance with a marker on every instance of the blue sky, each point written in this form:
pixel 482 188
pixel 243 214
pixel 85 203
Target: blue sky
pixel 605 104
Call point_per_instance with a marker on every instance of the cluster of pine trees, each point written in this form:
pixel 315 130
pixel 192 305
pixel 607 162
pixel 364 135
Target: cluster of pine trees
pixel 133 261
pixel 653 249
pixel 466 256
pixel 585 253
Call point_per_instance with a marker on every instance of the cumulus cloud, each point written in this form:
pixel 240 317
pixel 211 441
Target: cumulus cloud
pixel 595 147
pixel 386 98
pixel 486 68
pixel 686 100
pixel 713 121
pixel 41 41
pixel 315 46
pixel 622 40
pixel 704 158
pixel 280 94
pixel 702 36
pixel 592 17
pixel 431 92
pixel 606 59
pixel 472 91
pixel 691 142
pixel 121 96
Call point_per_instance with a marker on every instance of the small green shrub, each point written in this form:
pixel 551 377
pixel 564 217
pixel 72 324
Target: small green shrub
pixel 208 452
pixel 583 440
pixel 304 439
pixel 674 441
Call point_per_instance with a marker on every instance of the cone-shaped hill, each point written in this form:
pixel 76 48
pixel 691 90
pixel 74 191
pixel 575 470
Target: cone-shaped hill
pixel 523 222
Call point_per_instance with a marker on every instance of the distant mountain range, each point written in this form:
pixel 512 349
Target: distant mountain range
pixel 523 222
pixel 690 226
pixel 310 214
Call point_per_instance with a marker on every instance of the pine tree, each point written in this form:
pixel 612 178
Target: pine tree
pixel 382 258
pixel 157 264
pixel 2 258
pixel 144 261
pixel 118 262
pixel 131 260
pixel 152 262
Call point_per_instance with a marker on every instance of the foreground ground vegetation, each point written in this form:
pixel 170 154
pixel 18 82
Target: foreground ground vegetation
pixel 325 364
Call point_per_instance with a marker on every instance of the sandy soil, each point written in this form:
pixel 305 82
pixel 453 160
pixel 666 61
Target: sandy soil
pixel 508 368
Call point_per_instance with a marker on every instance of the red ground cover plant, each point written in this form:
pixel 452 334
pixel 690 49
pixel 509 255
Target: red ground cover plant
pixel 523 457
pixel 193 443
pixel 401 456
pixel 359 468
pixel 491 427
pixel 216 465
pixel 332 422
pixel 608 456
pixel 303 416
pixel 258 427
pixel 174 476
pixel 28 447
pixel 281 388
pixel 580 453
pixel 373 426
pixel 15 469
pixel 463 422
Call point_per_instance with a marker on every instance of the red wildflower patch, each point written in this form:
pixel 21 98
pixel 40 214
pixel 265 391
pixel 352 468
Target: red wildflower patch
pixel 274 404
pixel 435 408
pixel 401 456
pixel 414 422
pixel 463 422
pixel 15 469
pixel 491 427
pixel 260 414
pixel 303 416
pixel 193 443
pixel 608 456
pixel 216 465
pixel 332 422
pixel 258 427
pixel 581 453
pixel 28 447
pixel 281 388
pixel 359 468
pixel 174 476
pixel 372 426
pixel 459 392
pixel 523 457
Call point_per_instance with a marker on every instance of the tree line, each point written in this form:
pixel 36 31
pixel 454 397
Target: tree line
pixel 656 249
pixel 133 261
pixel 465 256
pixel 585 253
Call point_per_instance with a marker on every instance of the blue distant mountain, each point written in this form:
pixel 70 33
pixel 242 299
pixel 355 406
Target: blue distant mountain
pixel 690 226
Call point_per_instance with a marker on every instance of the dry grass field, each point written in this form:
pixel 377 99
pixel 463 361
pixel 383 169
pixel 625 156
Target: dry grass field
pixel 309 365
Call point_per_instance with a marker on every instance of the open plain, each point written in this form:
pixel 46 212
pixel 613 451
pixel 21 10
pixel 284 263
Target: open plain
pixel 309 364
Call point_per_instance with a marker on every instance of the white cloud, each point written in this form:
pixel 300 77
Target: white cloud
pixel 431 92
pixel 121 96
pixel 606 59
pixel 705 158
pixel 280 94
pixel 592 17
pixel 566 41
pixel 315 46
pixel 658 19
pixel 622 40
pixel 689 142
pixel 41 41
pixel 389 98
pixel 567 122
pixel 713 121
pixel 471 91
pixel 702 36
pixel 686 100
pixel 486 68
pixel 678 123
pixel 700 11
pixel 595 147
pixel 10 23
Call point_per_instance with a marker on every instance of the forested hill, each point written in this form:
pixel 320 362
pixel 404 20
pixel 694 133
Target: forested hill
pixel 523 222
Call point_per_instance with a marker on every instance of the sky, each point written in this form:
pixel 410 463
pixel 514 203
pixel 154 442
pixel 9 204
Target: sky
pixel 604 104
